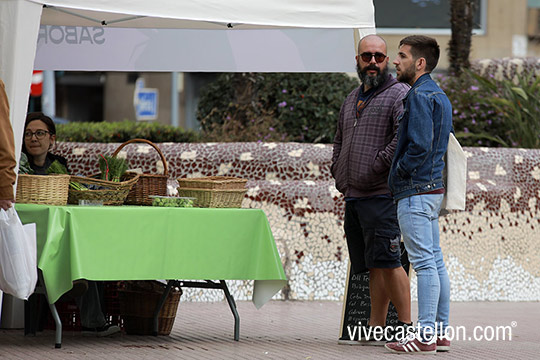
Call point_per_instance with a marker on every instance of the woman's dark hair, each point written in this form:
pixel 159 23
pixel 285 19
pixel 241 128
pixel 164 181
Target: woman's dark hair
pixel 41 116
pixel 38 116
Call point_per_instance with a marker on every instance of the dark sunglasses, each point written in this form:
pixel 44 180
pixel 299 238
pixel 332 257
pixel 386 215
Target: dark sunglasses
pixel 379 57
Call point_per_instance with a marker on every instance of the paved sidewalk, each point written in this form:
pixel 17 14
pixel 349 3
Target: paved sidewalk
pixel 280 330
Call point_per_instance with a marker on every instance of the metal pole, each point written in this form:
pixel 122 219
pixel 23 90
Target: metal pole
pixel 174 99
pixel 48 100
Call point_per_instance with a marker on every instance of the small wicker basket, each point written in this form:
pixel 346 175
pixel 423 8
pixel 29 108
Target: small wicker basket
pixel 214 191
pixel 148 184
pixel 212 182
pixel 43 189
pixel 110 192
pixel 137 306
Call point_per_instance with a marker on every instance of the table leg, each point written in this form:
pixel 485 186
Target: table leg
pixel 58 326
pixel 223 286
pixel 232 305
pixel 41 289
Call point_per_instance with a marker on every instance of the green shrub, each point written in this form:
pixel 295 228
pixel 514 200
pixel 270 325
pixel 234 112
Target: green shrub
pixel 518 102
pixel 301 107
pixel 496 103
pixel 106 132
pixel 476 122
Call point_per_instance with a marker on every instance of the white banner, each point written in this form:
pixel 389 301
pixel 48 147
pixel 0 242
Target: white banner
pixel 83 48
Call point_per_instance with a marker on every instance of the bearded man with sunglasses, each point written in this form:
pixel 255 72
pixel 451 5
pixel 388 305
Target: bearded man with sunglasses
pixel 364 146
pixel 7 153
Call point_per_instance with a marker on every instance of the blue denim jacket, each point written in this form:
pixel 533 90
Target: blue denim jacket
pixel 423 133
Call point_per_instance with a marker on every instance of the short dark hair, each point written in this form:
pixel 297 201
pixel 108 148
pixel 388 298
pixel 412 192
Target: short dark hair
pixel 41 116
pixel 38 116
pixel 423 46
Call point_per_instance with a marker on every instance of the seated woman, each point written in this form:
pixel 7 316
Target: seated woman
pixel 39 140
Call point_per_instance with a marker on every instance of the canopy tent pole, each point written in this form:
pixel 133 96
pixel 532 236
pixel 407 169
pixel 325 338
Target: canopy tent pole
pixel 97 21
pixel 19 26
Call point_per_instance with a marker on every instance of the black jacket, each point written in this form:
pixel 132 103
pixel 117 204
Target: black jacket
pixel 42 170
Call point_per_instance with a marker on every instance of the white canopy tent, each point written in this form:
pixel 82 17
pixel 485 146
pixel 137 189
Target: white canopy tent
pixel 20 22
pixel 84 48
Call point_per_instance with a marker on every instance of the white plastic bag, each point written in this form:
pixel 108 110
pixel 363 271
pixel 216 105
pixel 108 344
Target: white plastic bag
pixel 18 258
pixel 455 174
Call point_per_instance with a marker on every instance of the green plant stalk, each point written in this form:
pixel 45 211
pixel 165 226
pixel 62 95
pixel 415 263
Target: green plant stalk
pixel 77 186
pixel 116 168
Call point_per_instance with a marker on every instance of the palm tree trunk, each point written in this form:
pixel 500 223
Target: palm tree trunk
pixel 459 46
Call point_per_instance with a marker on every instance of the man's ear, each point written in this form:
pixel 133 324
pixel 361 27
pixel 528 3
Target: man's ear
pixel 420 64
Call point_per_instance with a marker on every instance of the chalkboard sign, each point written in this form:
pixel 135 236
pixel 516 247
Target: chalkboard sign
pixel 418 14
pixel 357 304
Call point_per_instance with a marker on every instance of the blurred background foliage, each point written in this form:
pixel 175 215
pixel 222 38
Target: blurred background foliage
pixel 302 107
pixel 107 132
pixel 495 104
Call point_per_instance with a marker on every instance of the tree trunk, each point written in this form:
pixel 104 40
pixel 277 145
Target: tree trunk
pixel 459 46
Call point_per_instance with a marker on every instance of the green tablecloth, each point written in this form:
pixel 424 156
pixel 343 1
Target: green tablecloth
pixel 145 243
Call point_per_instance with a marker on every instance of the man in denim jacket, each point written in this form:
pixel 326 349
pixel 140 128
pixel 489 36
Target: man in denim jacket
pixel 363 148
pixel 416 182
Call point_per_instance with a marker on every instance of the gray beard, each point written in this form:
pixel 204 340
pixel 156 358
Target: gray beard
pixel 370 81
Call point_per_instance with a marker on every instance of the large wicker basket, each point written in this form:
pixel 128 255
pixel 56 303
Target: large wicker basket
pixel 137 306
pixel 214 191
pixel 110 192
pixel 148 184
pixel 43 189
pixel 209 198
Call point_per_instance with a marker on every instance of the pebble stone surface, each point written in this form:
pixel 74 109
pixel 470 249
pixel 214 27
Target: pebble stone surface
pixel 491 250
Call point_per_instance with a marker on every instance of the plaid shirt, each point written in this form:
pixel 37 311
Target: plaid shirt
pixel 364 145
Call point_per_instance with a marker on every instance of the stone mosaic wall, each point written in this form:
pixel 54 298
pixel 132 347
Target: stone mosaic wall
pixel 492 249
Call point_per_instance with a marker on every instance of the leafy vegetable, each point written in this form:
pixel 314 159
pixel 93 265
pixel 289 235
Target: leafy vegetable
pixel 112 168
pixel 170 201
pixel 57 168
pixel 24 165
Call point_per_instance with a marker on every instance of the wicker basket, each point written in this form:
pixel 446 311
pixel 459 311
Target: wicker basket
pixel 110 192
pixel 213 182
pixel 210 198
pixel 214 191
pixel 43 189
pixel 148 184
pixel 137 306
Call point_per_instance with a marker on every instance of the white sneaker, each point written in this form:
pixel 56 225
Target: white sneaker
pixel 412 345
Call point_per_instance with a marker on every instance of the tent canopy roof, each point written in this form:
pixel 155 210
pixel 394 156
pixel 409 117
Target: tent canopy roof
pixel 210 14
pixel 20 25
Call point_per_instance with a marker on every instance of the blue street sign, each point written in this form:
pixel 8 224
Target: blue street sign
pixel 146 106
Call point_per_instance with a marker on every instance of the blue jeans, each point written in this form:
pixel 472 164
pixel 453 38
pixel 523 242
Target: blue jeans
pixel 418 217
